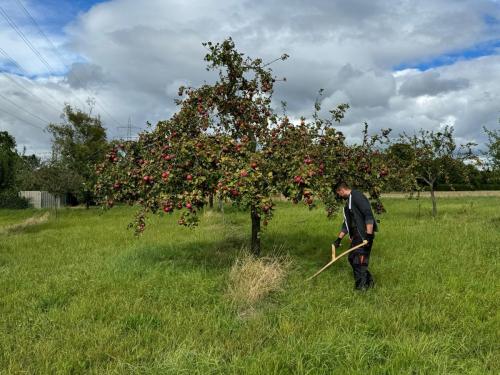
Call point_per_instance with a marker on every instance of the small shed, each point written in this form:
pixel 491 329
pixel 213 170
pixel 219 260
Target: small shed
pixel 41 199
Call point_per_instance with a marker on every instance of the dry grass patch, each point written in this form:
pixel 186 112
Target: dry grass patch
pixel 251 279
pixel 30 222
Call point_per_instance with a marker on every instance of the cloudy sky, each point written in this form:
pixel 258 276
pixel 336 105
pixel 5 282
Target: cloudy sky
pixel 401 64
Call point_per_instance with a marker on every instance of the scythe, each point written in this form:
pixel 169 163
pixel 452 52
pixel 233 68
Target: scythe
pixel 335 257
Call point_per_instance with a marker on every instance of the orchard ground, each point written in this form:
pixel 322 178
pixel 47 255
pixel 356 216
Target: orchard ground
pixel 80 294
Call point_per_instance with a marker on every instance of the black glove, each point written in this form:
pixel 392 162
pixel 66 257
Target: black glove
pixel 370 237
pixel 337 242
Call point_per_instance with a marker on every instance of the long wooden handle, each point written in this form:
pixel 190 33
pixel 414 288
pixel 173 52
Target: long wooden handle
pixel 351 249
pixel 335 258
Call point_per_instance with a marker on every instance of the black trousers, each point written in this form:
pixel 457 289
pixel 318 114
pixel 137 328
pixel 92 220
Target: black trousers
pixel 359 260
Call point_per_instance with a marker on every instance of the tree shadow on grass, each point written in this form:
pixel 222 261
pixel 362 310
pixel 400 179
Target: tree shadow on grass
pixel 313 251
pixel 209 255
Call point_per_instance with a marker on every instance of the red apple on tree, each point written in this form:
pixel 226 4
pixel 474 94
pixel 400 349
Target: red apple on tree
pixel 219 134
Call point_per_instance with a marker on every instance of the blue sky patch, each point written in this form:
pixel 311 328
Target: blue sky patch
pixel 483 49
pixel 51 16
pixel 491 21
pixel 57 13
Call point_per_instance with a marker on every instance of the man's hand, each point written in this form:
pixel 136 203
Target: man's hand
pixel 337 242
pixel 369 237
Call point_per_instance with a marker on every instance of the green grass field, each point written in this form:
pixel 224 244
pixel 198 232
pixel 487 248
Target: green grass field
pixel 80 294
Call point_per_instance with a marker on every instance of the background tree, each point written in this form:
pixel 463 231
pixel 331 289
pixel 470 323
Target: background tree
pixel 26 169
pixel 493 152
pixel 57 179
pixel 429 156
pixel 401 155
pixel 8 160
pixel 227 138
pixel 11 165
pixel 78 144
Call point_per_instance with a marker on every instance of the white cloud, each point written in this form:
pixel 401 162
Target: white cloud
pixel 138 53
pixel 430 83
pixel 468 109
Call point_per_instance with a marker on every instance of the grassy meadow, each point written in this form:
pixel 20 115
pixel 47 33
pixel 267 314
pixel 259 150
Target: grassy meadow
pixel 79 294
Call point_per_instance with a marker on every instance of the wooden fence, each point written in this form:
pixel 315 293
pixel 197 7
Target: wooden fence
pixel 41 199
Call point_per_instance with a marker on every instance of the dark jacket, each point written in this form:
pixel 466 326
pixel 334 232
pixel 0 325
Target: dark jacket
pixel 358 213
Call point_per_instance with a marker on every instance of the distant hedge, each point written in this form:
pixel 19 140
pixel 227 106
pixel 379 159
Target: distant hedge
pixel 11 199
pixel 466 187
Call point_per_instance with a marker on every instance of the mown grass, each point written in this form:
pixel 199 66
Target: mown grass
pixel 79 294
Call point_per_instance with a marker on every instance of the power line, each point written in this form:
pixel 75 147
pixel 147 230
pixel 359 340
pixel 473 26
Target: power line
pixel 39 28
pixel 22 120
pixel 23 109
pixel 26 41
pixel 109 114
pixel 14 26
pixel 129 128
pixel 22 70
pixel 28 91
pixel 12 60
pixel 60 57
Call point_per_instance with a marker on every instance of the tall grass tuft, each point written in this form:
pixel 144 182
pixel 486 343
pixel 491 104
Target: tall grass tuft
pixel 252 279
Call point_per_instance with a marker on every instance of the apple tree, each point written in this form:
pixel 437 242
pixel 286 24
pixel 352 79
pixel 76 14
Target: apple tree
pixel 426 156
pixel 227 139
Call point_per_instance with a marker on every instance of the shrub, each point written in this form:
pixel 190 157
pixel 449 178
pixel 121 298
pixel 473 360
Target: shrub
pixel 10 199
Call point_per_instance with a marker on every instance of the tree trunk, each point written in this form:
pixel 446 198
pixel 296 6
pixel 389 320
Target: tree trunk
pixel 220 203
pixel 433 198
pixel 56 206
pixel 419 204
pixel 255 247
pixel 211 200
pixel 87 198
